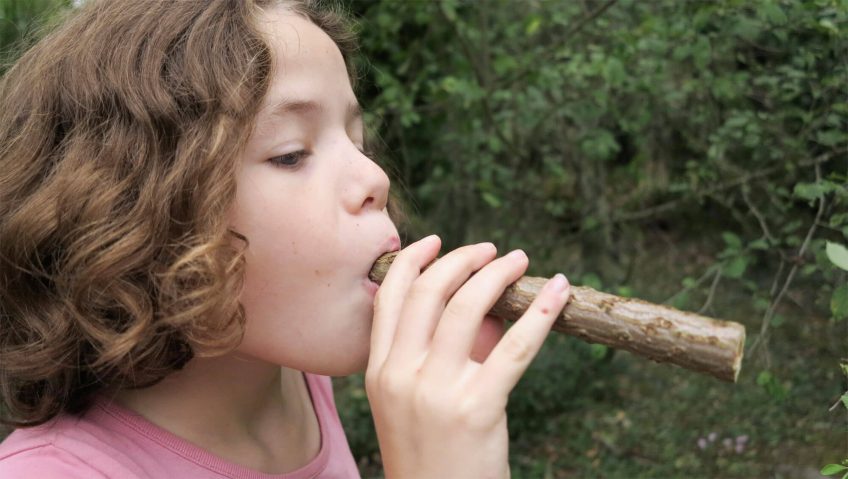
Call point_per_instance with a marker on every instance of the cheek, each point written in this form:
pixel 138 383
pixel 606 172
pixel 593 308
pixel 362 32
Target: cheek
pixel 290 259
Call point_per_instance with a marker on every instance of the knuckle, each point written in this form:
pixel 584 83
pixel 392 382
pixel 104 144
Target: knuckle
pixel 516 346
pixel 387 385
pixel 474 414
pixel 371 380
pixel 430 404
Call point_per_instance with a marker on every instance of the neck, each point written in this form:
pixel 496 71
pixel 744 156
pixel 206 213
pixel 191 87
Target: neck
pixel 247 411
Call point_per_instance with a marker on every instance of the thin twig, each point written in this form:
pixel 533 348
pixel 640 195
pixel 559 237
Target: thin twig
pixel 801 251
pixel 653 210
pixel 773 289
pixel 697 282
pixel 481 78
pixel 709 300
pixel 837 401
pixel 757 214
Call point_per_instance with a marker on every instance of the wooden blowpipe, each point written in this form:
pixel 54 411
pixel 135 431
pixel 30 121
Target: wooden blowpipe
pixel 660 333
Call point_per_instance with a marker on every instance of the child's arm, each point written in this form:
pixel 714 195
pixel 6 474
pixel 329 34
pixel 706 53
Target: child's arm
pixel 437 412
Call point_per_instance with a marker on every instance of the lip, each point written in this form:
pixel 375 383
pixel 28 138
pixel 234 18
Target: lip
pixel 371 286
pixel 392 243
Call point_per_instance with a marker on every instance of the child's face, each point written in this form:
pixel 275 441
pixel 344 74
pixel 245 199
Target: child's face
pixel 315 228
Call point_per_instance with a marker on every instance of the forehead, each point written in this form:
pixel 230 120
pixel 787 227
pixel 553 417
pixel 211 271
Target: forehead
pixel 308 66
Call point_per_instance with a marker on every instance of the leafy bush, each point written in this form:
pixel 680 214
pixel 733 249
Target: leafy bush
pixel 591 133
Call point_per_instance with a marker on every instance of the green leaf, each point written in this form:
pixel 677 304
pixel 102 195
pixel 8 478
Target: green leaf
pixel 732 240
pixel 839 302
pixel 774 14
pixel 759 244
pixel 831 137
pixel 831 469
pixel 533 26
pixel 614 72
pixel 845 400
pixel 838 219
pixel 778 320
pixel 763 378
pixel 591 280
pixel 736 267
pixel 809 269
pixel 598 351
pixel 837 254
pixel 491 200
pixel 809 191
pixel 681 301
pixel 625 291
pixel 590 223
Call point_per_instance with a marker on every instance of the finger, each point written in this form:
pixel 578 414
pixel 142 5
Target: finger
pixel 460 323
pixel 426 299
pixel 513 354
pixel 390 297
pixel 491 331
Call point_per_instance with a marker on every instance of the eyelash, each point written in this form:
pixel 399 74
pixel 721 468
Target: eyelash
pixel 300 155
pixel 297 156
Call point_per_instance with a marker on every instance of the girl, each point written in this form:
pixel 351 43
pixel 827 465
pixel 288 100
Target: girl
pixel 187 220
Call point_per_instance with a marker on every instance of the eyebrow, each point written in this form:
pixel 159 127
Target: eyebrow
pixel 306 107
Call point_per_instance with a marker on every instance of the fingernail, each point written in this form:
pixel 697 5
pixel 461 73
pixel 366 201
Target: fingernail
pixel 559 283
pixel 430 239
pixel 516 254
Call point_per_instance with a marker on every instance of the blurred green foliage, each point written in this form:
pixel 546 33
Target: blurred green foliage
pixel 545 123
pixel 687 152
pixel 20 21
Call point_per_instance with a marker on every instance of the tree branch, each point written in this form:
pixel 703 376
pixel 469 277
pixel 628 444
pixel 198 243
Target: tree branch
pixel 713 287
pixel 480 77
pixel 757 214
pixel 761 339
pixel 756 175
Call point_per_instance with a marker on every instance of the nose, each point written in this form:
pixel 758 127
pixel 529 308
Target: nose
pixel 369 184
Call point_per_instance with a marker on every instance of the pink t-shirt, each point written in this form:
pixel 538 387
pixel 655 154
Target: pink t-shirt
pixel 109 441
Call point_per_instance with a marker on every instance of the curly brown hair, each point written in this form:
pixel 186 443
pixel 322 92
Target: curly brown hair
pixel 120 132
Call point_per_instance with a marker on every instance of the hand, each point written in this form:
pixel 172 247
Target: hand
pixel 438 412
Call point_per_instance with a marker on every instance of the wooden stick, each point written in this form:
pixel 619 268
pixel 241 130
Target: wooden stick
pixel 656 332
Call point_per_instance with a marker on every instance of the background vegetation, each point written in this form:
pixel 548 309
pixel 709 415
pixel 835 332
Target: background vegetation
pixel 692 153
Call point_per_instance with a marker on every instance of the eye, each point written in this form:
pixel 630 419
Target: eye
pixel 289 160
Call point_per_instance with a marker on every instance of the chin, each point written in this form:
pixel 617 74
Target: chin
pixel 354 366
pixel 344 363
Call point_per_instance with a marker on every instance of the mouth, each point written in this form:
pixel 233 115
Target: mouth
pixel 391 244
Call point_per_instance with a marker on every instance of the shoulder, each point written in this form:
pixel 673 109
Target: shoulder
pixel 44 461
pixel 64 447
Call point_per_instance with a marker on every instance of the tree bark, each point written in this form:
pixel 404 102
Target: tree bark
pixel 660 333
